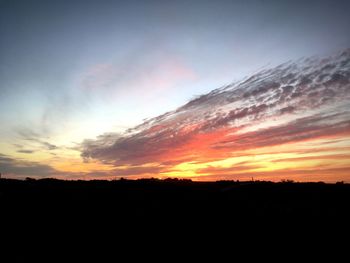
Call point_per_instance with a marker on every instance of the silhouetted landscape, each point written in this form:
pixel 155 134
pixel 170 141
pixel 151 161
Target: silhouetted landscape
pixel 133 212
pixel 153 199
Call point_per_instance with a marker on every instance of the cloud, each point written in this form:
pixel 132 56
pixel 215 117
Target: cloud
pixel 18 168
pixel 319 157
pixel 318 126
pixel 27 134
pixel 21 148
pixel 38 139
pixel 47 145
pixel 25 151
pixel 287 104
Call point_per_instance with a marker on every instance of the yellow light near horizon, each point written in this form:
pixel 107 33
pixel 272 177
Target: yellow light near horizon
pixel 186 170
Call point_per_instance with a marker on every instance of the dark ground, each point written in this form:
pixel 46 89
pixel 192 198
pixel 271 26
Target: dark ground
pixel 159 200
pixel 138 213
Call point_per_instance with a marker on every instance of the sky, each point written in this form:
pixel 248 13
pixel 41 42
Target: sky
pixel 82 84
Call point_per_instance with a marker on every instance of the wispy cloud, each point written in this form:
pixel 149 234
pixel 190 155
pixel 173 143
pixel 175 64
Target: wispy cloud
pixel 25 151
pixel 37 139
pixel 148 74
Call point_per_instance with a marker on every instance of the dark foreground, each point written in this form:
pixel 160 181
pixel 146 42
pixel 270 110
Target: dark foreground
pixel 137 212
pixel 162 200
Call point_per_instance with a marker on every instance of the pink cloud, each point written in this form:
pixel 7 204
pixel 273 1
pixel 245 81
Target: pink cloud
pixel 214 126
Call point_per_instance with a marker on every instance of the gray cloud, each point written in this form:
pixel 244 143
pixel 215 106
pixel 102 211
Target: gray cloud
pixel 25 151
pixel 20 168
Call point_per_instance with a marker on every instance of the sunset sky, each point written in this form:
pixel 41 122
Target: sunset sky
pixel 207 90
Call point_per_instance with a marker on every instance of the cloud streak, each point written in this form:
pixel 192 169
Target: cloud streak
pixel 296 102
